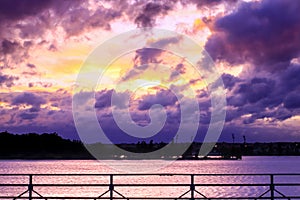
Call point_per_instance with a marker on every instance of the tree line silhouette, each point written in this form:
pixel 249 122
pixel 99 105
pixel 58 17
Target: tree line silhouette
pixel 53 146
pixel 40 146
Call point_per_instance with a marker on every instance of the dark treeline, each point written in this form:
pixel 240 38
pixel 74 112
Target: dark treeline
pixel 40 146
pixel 52 146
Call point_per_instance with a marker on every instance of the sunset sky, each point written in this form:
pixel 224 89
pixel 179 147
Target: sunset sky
pixel 255 46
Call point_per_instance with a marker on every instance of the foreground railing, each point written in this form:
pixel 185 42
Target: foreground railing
pixel 270 184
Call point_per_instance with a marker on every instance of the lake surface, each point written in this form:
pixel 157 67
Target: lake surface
pixel 252 165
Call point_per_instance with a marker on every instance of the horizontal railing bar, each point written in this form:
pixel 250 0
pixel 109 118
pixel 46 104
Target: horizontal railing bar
pixel 162 174
pixel 55 185
pixel 59 197
pixel 159 198
pixel 256 198
pixel 286 184
pixel 13 185
pixel 211 198
pixel 150 185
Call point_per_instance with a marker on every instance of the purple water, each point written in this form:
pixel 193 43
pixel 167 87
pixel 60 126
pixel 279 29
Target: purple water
pixel 247 165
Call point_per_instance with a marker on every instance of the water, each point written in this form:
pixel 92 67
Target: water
pixel 247 165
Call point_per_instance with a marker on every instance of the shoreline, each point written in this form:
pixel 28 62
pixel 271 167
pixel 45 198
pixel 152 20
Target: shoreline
pixel 90 159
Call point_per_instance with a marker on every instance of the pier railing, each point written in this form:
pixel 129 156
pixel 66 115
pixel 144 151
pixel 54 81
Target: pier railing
pixel 45 186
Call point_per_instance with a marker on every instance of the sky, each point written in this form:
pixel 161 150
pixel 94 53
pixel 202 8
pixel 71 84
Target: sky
pixel 254 45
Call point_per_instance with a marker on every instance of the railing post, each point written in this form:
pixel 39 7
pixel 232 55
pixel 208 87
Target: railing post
pixel 272 187
pixel 30 188
pixel 111 187
pixel 192 187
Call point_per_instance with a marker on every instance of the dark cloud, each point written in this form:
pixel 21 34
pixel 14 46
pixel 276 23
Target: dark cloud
pixel 148 55
pixel 39 84
pixel 179 69
pixel 236 100
pixel 9 47
pixel 163 42
pixel 28 116
pixel 138 113
pixel 265 33
pixel 150 11
pixel 162 97
pixel 7 80
pixel 257 89
pixel 32 66
pixel 29 99
pixel 116 135
pixel 12 52
pixel 253 97
pixel 290 78
pixel 292 100
pixel 210 3
pixel 52 48
pixel 280 114
pixel 81 19
pixel 18 9
pixel 103 99
pixel 146 13
pixel 275 96
pixel 232 114
pixel 251 91
pixel 14 10
pixel 12 15
pixel 141 60
pixel 229 81
pixel 34 109
pixel 37 118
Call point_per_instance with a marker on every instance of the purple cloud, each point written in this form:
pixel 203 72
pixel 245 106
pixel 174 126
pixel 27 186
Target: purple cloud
pixel 32 66
pixel 290 77
pixel 143 57
pixel 7 80
pixel 35 118
pixel 39 83
pixel 229 81
pixel 29 99
pixel 210 3
pixel 148 55
pixel 18 9
pixel 292 100
pixel 150 11
pixel 274 96
pixel 9 47
pixel 162 97
pixel 265 33
pixel 257 89
pixel 179 69
pixel 81 19
pixel 28 116
pixel 103 99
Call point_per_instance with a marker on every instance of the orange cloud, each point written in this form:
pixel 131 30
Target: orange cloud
pixel 198 25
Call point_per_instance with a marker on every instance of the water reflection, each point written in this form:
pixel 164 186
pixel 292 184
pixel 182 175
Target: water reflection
pixel 247 165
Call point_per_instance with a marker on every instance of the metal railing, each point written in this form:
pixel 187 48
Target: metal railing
pixel 193 188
